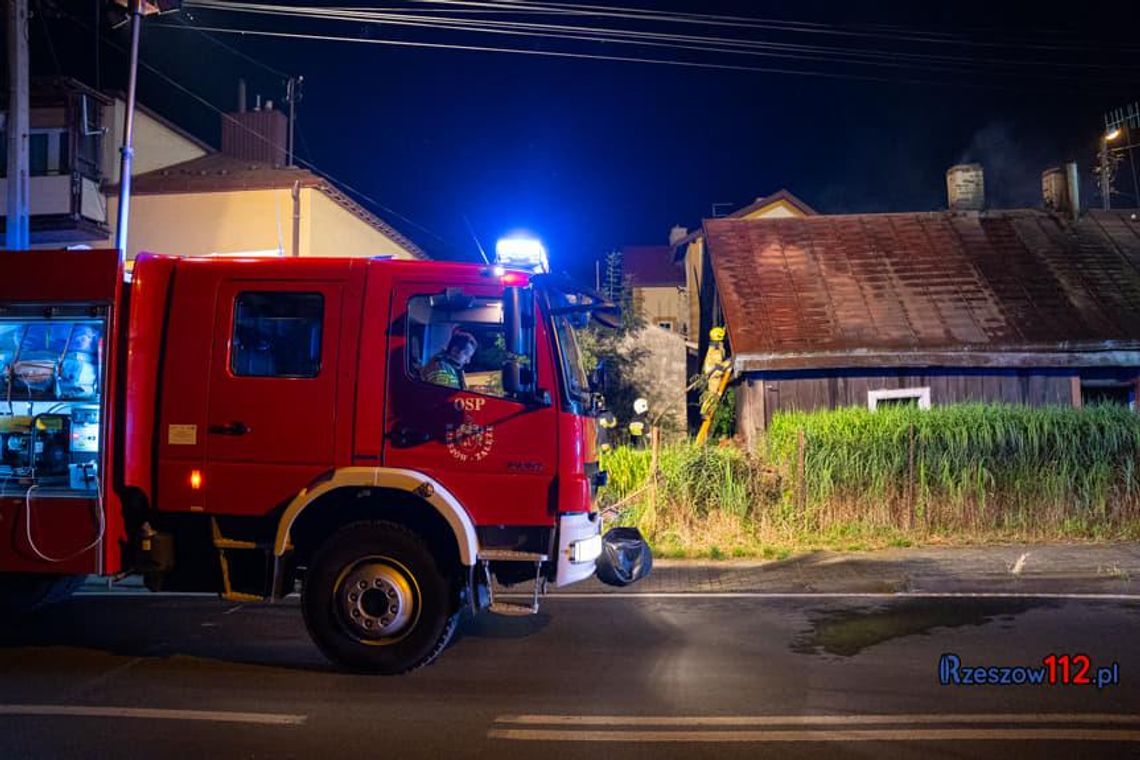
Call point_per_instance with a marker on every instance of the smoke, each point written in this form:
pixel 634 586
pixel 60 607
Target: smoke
pixel 1013 163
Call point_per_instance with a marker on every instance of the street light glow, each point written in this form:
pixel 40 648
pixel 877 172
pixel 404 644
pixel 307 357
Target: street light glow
pixel 1112 134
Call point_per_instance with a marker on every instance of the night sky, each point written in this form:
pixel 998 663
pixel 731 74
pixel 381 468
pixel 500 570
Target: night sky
pixel 591 155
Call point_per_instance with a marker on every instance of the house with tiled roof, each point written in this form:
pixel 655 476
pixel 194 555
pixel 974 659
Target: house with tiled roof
pixel 658 286
pixel 1025 306
pixel 688 253
pixel 245 200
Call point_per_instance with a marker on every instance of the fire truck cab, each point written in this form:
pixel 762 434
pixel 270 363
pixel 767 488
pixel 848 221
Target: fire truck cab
pixel 397 438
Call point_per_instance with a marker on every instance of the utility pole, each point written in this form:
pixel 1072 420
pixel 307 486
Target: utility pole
pixel 292 96
pixel 135 10
pixel 16 231
pixel 127 151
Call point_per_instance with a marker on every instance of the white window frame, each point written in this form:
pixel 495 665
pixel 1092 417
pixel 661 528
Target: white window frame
pixel 922 394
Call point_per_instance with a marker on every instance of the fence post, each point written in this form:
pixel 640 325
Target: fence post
pixel 801 474
pixel 654 445
pixel 910 482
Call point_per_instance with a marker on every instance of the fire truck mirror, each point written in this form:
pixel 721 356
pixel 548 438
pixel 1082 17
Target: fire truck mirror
pixel 518 322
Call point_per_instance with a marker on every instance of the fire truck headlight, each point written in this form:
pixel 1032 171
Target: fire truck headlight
pixel 586 550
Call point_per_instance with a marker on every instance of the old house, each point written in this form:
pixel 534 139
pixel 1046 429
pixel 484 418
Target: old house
pixel 187 197
pixel 658 286
pixel 246 200
pixel 1027 306
pixel 66 167
pixel 688 251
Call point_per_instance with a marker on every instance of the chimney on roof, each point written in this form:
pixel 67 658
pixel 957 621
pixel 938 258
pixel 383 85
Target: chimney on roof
pixel 1054 190
pixel 257 135
pixel 677 234
pixel 1060 190
pixel 1073 184
pixel 966 187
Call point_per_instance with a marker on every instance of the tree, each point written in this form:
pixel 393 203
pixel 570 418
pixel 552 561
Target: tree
pixel 620 355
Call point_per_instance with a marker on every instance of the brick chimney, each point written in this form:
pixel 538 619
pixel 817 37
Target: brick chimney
pixel 966 187
pixel 258 135
pixel 1060 190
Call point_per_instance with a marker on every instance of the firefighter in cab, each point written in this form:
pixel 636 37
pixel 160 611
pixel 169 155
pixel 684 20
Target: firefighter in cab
pixel 446 367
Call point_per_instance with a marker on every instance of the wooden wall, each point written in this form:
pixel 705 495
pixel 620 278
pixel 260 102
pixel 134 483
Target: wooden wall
pixel 760 395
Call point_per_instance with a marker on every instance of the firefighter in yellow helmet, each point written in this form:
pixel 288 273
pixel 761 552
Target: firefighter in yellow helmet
pixel 713 369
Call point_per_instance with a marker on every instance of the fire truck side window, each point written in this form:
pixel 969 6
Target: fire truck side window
pixel 277 334
pixel 438 334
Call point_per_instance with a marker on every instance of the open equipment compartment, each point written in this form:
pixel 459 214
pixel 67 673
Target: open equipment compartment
pixel 52 366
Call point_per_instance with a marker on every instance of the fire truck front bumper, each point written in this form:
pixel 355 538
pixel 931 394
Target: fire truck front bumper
pixel 619 558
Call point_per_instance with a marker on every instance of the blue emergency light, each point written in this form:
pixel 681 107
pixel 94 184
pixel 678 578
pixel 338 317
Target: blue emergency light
pixel 522 253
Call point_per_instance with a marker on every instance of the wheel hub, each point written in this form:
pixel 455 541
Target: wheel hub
pixel 376 600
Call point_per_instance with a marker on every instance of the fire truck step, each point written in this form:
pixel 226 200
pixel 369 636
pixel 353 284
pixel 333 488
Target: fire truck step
pixel 221 542
pixel 510 555
pixel 512 609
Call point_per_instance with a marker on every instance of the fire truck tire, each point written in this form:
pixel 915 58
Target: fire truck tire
pixel 24 593
pixel 375 600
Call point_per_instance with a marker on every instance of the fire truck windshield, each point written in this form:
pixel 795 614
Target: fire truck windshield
pixel 573 373
pixel 572 307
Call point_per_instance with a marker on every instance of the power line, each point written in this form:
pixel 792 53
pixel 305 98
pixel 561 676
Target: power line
pixel 802 27
pixel 705 44
pixel 306 164
pixel 624 59
pixel 225 46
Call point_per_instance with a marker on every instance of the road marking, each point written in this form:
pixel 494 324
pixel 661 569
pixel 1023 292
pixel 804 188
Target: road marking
pixel 578 595
pixel 813 720
pixel 212 716
pixel 821 728
pixel 841 735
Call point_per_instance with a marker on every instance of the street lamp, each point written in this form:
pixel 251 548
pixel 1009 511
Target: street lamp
pixel 1105 166
pixel 136 9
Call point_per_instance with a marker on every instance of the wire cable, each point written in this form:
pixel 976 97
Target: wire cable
pixel 634 59
pixel 341 184
pixel 706 44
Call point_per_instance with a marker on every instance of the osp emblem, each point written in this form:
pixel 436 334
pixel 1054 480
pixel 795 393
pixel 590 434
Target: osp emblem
pixel 469 441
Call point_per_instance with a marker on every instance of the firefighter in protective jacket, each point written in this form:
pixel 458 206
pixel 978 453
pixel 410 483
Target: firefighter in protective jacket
pixel 446 367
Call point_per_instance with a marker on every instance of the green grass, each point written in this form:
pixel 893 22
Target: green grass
pixel 973 473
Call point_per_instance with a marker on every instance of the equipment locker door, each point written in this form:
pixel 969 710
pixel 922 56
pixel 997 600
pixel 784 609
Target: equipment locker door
pixel 497 455
pixel 271 419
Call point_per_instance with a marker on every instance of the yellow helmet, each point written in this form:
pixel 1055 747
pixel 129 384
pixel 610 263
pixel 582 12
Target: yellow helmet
pixel 716 334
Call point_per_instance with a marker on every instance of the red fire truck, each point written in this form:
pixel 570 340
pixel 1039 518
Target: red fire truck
pixel 247 425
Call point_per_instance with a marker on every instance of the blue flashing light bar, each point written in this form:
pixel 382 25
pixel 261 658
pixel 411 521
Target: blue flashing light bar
pixel 522 253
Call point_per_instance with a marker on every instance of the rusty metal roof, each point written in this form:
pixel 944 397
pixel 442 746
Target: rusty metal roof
pixel 649 266
pixel 1012 288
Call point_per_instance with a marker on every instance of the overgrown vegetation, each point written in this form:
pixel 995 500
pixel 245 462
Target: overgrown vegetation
pixel 611 348
pixel 853 479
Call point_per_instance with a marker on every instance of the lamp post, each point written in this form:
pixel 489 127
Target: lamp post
pixel 136 9
pixel 1106 167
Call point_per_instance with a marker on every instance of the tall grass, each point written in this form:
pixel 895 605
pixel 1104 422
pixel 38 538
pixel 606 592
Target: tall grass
pixel 896 475
pixel 964 467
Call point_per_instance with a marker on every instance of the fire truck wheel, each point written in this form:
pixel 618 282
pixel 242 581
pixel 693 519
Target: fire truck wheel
pixel 375 600
pixel 22 593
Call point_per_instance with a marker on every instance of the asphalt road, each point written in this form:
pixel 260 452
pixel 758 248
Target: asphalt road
pixel 651 676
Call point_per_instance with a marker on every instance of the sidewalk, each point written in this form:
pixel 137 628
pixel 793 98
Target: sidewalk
pixel 1040 568
pixel 1012 569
